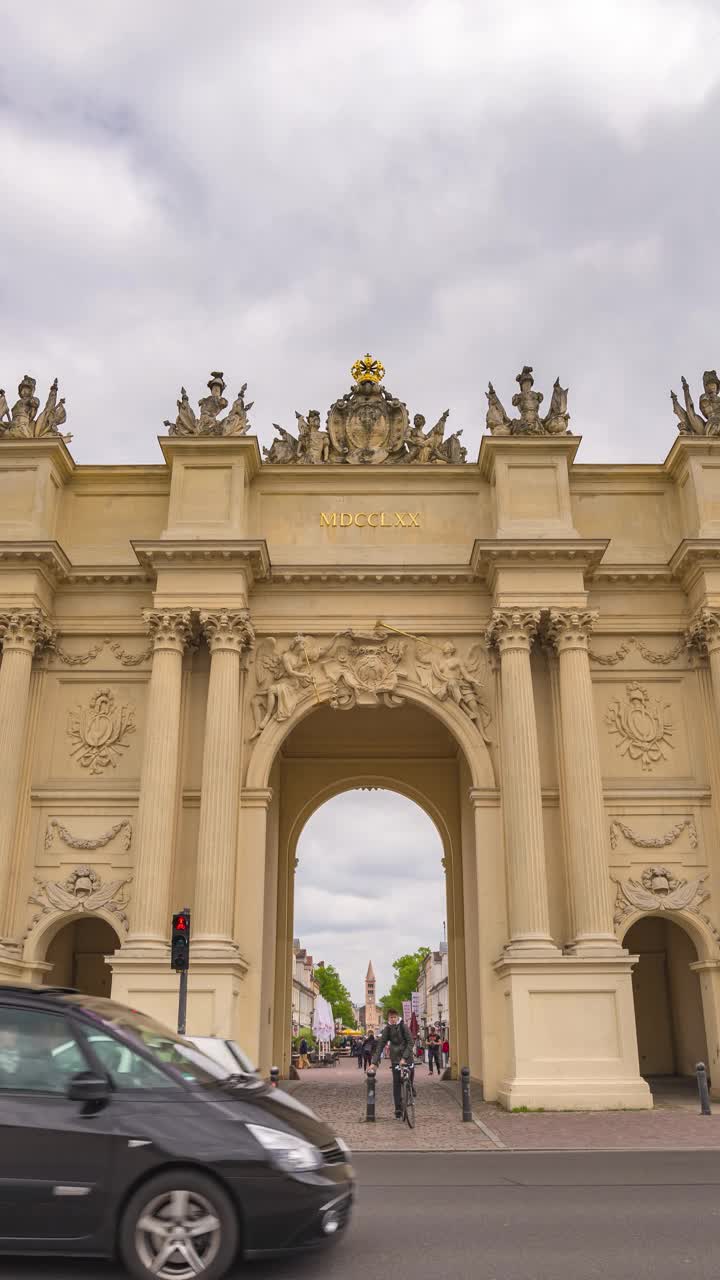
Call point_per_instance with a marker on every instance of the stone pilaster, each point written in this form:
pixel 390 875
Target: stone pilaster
pixel 23 631
pixel 512 632
pixel 590 909
pixel 155 838
pixel 229 635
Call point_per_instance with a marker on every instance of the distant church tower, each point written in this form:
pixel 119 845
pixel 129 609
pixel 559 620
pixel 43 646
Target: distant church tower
pixel 371 1013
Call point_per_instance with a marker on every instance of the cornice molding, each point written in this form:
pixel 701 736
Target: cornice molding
pixel 692 557
pixel 491 446
pixel 372 574
pixel 46 556
pixel 53 447
pixel 212 447
pixel 489 555
pixel 180 553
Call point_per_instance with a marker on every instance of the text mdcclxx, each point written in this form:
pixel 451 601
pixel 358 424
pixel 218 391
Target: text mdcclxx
pixel 366 425
pixel 367 668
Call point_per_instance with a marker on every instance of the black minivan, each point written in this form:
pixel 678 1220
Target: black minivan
pixel 119 1138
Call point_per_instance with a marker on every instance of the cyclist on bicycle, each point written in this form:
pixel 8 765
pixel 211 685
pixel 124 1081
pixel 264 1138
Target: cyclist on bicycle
pixel 398 1037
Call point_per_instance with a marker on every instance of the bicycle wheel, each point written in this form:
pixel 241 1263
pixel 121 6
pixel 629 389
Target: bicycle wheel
pixel 408 1104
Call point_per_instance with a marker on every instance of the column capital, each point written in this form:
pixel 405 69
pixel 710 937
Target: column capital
pixel 169 628
pixel 570 628
pixel 704 629
pixel 513 629
pixel 26 630
pixel 229 629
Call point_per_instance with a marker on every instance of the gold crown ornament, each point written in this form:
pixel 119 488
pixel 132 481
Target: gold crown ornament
pixel 368 369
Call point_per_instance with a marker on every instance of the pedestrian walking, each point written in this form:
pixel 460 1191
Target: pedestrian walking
pixel 368 1049
pixel 434 1050
pixel 303 1049
pixel 446 1051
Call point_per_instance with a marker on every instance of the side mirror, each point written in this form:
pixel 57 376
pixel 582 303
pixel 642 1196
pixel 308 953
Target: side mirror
pixel 86 1086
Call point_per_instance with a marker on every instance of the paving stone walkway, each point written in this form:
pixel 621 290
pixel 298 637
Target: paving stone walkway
pixel 338 1095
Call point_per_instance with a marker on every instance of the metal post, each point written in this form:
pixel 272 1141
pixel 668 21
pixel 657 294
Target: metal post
pixel 370 1105
pixel 182 1002
pixel 702 1084
pixel 274 1076
pixel 466 1099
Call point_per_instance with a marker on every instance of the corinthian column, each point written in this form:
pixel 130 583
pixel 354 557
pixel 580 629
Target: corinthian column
pixel 590 909
pixel 170 629
pixel 229 635
pixel 23 631
pixel 512 631
pixel 705 632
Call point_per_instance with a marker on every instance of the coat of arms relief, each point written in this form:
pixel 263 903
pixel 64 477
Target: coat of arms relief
pixel 367 425
pixel 364 668
pixel 643 726
pixel 99 732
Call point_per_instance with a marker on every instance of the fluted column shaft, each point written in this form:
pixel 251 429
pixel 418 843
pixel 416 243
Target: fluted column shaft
pixel 587 867
pixel 705 630
pixel 23 631
pixel 228 635
pixel 155 836
pixel 512 631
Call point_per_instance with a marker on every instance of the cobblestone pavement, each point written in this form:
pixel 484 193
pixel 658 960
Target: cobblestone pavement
pixel 338 1094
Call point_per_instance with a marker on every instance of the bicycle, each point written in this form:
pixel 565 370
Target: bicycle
pixel 407 1094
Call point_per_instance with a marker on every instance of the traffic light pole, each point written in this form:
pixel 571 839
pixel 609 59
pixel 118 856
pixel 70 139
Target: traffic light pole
pixel 182 1002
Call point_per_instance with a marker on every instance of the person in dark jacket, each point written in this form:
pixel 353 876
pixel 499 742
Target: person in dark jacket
pixel 399 1040
pixel 434 1051
pixel 368 1049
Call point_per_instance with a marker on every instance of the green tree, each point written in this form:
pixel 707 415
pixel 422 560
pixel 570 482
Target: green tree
pixel 335 992
pixel 407 970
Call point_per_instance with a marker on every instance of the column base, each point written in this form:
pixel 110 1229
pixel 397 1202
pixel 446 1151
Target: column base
pixel 147 983
pixel 572 1040
pixel 601 944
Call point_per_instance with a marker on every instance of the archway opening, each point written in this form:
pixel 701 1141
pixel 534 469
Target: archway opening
pixel 77 954
pixel 372 869
pixel 370 894
pixel 668 1005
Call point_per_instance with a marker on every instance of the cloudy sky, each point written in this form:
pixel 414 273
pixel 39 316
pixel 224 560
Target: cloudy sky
pixel 460 186
pixel 369 885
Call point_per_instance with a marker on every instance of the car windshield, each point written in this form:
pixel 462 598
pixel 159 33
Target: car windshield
pixel 180 1056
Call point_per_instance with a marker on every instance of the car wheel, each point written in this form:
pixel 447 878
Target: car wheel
pixel 178 1226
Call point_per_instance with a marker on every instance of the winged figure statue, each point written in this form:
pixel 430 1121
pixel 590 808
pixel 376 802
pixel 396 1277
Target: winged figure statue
pixel 443 672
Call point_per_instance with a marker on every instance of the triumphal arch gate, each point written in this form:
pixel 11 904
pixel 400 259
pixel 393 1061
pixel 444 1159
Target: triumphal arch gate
pixel 197 654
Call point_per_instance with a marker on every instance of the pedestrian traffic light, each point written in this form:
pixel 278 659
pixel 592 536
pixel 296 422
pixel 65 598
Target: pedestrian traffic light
pixel 180 941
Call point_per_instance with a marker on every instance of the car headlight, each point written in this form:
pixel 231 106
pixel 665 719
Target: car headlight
pixel 293 1155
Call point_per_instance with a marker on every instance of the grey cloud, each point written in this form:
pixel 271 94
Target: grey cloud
pixel 459 188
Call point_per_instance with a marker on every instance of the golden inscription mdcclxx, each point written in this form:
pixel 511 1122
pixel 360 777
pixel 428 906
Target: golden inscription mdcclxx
pixel 370 519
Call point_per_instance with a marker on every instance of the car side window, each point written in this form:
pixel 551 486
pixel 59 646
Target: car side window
pixel 127 1069
pixel 38 1051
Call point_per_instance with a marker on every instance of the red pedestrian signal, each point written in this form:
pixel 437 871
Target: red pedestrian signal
pixel 180 941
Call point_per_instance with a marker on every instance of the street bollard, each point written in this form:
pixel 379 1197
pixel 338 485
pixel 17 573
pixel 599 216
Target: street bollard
pixel 370 1104
pixel 274 1076
pixel 466 1099
pixel 702 1084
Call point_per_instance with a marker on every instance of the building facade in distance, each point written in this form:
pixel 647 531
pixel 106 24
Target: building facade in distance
pixel 197 654
pixel 305 989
